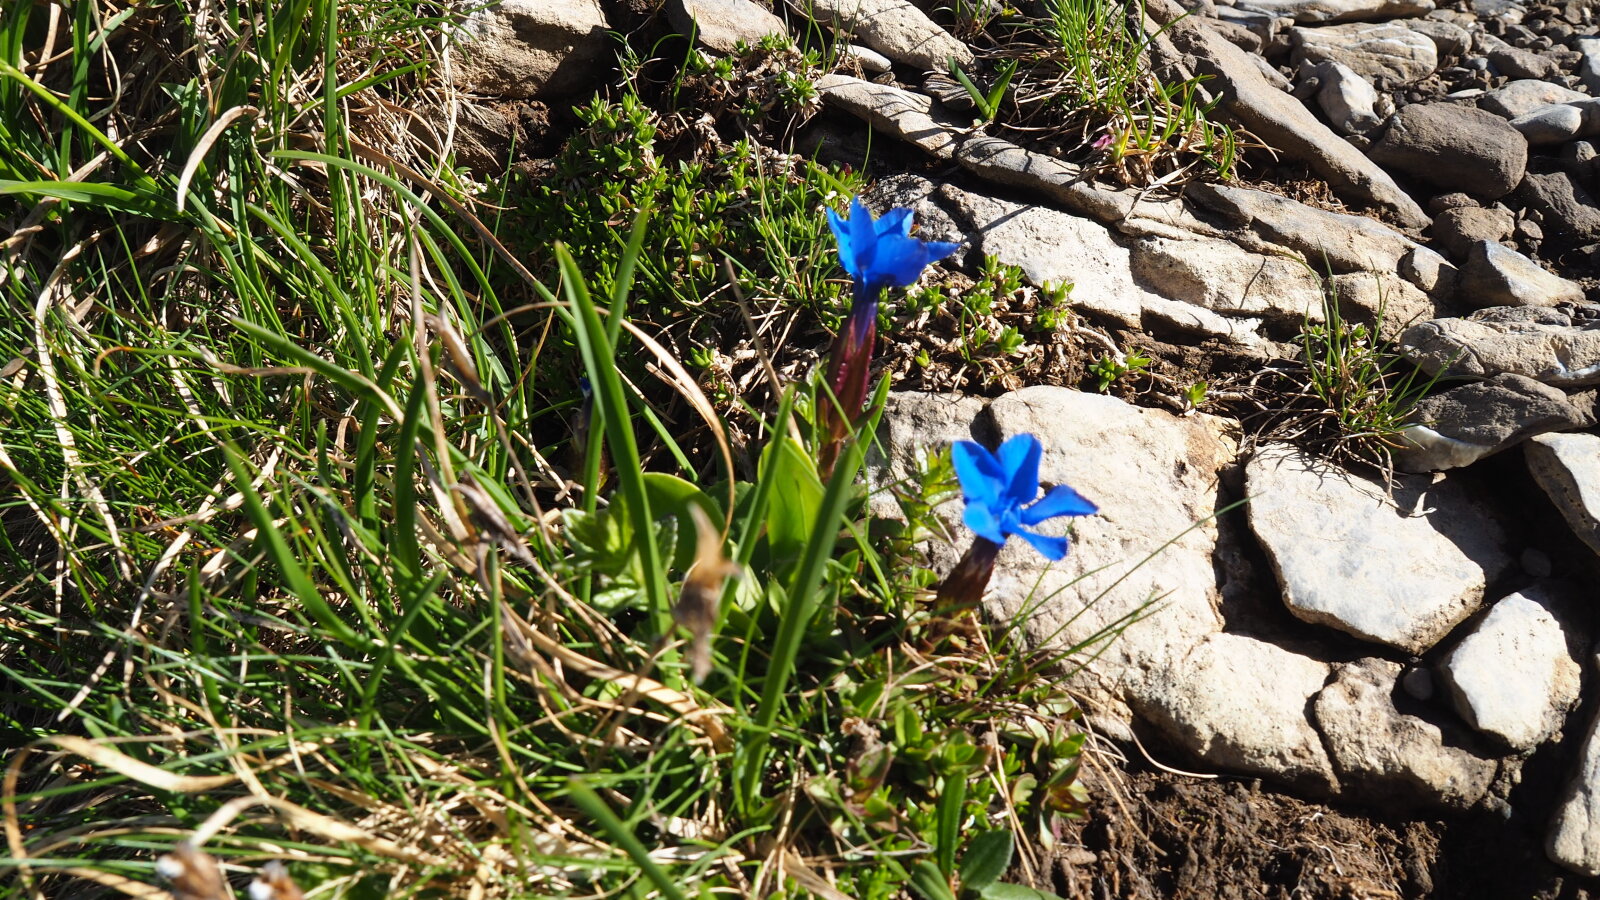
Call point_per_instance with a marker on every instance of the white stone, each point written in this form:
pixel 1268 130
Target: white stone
pixel 1512 676
pixel 1241 704
pixel 1567 466
pixel 907 115
pixel 1350 557
pixel 1389 54
pixel 1574 839
pixel 1385 756
pixel 1525 95
pixel 531 48
pixel 722 24
pixel 897 29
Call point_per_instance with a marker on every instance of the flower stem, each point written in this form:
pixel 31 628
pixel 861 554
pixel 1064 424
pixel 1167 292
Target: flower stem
pixel 964 586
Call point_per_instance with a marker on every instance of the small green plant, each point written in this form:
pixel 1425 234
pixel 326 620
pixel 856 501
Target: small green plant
pixel 988 104
pixel 1195 394
pixel 1106 369
pixel 1365 390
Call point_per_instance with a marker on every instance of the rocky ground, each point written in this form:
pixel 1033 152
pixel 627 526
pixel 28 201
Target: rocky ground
pixel 1389 679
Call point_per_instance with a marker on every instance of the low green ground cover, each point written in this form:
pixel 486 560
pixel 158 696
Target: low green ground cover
pixel 406 532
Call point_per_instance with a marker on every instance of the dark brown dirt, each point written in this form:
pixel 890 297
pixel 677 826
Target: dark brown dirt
pixel 1177 837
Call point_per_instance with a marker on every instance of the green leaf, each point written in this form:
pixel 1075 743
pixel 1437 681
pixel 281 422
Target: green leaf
pixel 929 883
pixel 951 805
pixel 988 857
pixel 796 498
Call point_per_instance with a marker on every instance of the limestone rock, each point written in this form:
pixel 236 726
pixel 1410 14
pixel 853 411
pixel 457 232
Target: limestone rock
pixel 1542 343
pixel 720 25
pixel 1344 243
pixel 1388 54
pixel 1464 424
pixel 897 29
pixel 1458 229
pixel 1589 66
pixel 1400 570
pixel 1574 839
pixel 905 114
pixel 1240 704
pixel 1223 277
pixel 1567 466
pixel 1525 95
pixel 1316 11
pixel 531 48
pixel 1513 676
pixel 915 424
pixel 1560 123
pixel 1496 275
pixel 1383 755
pixel 1517 62
pixel 1454 146
pixel 1054 247
pixel 1449 39
pixel 1280 120
pixel 1154 476
pixel 1348 100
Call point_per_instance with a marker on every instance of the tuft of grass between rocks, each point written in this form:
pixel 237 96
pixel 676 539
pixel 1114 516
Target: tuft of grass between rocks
pixel 352 521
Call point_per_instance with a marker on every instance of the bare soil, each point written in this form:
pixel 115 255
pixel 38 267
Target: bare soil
pixel 1178 837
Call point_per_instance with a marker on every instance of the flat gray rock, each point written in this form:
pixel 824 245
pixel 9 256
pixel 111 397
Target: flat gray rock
pixel 1464 424
pixel 1513 676
pixel 905 114
pixel 1568 213
pixel 1458 229
pixel 1574 839
pixel 1348 100
pixel 1455 147
pixel 721 25
pixel 1560 123
pixel 1523 96
pixel 1054 247
pixel 1317 11
pixel 1336 241
pixel 1385 756
pixel 1400 571
pixel 897 29
pixel 1567 466
pixel 531 48
pixel 1542 343
pixel 1388 54
pixel 1240 704
pixel 1277 118
pixel 1496 275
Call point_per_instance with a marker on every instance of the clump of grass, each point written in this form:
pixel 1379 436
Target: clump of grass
pixel 1084 91
pixel 1350 395
pixel 316 552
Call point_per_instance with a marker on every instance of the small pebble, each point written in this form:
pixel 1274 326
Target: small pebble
pixel 1456 200
pixel 1418 683
pixel 1529 230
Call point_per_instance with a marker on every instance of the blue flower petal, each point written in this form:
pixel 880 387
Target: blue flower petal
pixel 841 233
pixel 1051 548
pixel 1019 457
pixel 979 473
pixel 981 520
pixel 863 238
pixel 895 223
pixel 1061 501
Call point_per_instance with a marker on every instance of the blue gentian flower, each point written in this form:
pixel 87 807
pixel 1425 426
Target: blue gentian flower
pixel 882 254
pixel 879 254
pixel 1000 491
